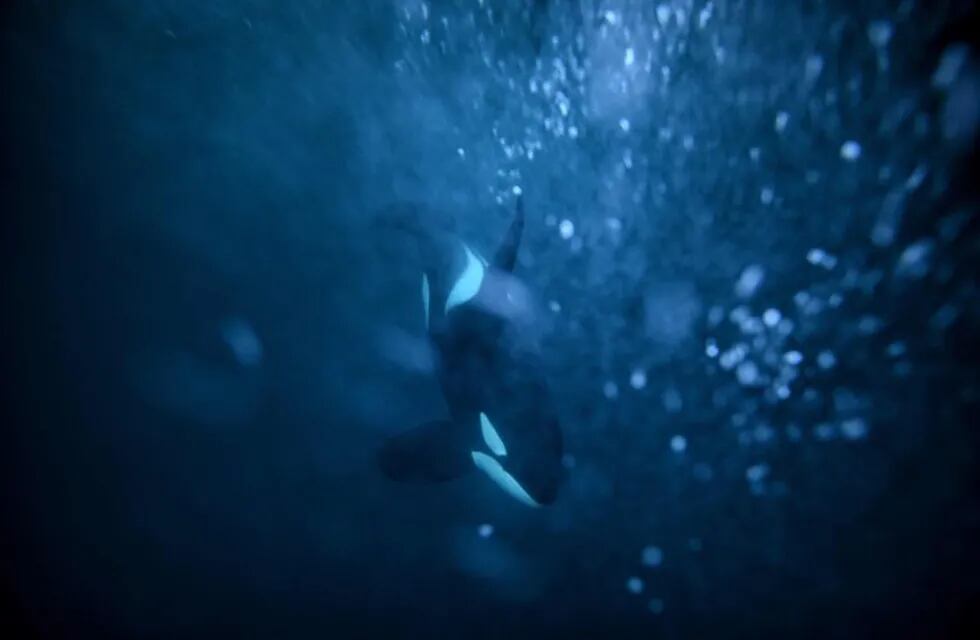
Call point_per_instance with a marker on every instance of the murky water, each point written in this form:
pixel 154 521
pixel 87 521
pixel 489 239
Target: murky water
pixel 748 271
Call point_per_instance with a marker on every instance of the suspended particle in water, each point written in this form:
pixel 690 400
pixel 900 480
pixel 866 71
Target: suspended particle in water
pixel 678 444
pixel 634 585
pixel 826 360
pixel 652 556
pixel 485 530
pixel 880 33
pixel 757 472
pixel 610 390
pixel 854 428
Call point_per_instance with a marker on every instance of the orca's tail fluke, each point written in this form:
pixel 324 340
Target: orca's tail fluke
pixel 431 452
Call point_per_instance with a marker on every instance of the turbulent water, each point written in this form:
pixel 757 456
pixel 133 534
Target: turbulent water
pixel 750 256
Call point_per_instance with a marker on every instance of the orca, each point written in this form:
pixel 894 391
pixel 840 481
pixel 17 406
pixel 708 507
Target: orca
pixel 502 420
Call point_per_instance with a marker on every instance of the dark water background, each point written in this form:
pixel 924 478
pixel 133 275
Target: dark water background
pixel 752 230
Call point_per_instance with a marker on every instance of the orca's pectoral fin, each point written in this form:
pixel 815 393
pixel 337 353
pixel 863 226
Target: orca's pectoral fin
pixel 506 256
pixel 431 452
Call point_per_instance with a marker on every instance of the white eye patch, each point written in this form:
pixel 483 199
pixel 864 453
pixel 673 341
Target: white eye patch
pixel 503 479
pixel 468 283
pixel 491 437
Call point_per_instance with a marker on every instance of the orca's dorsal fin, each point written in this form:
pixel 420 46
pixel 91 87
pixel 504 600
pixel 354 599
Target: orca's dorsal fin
pixel 506 256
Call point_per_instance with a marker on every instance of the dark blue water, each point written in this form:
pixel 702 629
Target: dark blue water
pixel 751 241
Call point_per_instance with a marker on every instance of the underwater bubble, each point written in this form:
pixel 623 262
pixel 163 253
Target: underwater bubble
pixel 766 195
pixel 854 428
pixel 711 348
pixel 793 357
pixel 656 606
pixel 624 124
pixel 896 349
pixel 749 281
pixel 826 360
pixel 785 326
pixel 950 65
pixel 747 373
pixel 485 530
pixel 652 556
pixel 554 306
pixel 884 229
pixel 916 178
pixel 566 228
pixel 824 431
pixel 634 585
pixel 915 260
pixel 678 444
pixel 814 66
pixel 771 317
pixel 757 472
pixel 663 14
pixel 611 390
pixel 850 151
pixel 739 314
pixel 730 358
pixel 705 14
pixel 782 119
pixel 880 33
pixel 869 324
pixel 754 154
pixel 629 57
pixel 820 258
pixel 638 379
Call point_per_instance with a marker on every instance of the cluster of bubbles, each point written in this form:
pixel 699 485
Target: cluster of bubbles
pixel 786 356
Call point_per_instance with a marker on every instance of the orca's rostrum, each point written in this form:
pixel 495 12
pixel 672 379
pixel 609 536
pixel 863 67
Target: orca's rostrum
pixel 502 420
